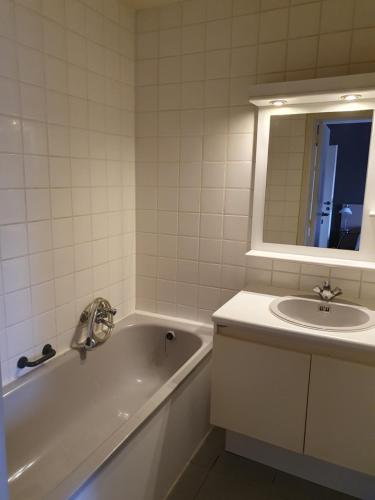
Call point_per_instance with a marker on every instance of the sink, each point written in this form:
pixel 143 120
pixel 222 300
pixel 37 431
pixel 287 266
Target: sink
pixel 329 316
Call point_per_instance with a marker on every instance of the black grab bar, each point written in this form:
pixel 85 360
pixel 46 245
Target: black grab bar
pixel 48 353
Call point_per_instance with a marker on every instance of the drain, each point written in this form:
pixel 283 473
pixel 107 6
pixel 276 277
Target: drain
pixel 170 335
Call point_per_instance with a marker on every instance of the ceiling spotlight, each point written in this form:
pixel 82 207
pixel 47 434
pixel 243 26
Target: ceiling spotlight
pixel 278 102
pixel 350 97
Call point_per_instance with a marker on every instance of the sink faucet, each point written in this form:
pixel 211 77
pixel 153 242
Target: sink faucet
pixel 98 312
pixel 325 291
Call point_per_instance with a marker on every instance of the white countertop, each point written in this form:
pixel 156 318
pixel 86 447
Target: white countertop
pixel 250 311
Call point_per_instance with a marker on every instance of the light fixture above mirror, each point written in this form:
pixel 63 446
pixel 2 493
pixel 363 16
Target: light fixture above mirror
pixel 278 102
pixel 315 159
pixel 351 97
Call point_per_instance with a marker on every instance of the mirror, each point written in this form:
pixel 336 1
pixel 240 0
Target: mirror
pixel 316 178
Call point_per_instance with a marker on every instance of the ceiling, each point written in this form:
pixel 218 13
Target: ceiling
pixel 145 4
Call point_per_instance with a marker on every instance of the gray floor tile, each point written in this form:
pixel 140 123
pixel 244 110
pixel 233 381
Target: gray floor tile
pixel 215 474
pixel 236 467
pixel 293 488
pixel 211 449
pixel 224 487
pixel 189 483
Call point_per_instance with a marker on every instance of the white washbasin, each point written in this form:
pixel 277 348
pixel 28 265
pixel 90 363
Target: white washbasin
pixel 330 316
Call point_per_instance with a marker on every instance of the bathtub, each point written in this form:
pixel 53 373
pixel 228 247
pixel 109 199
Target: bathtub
pixel 120 424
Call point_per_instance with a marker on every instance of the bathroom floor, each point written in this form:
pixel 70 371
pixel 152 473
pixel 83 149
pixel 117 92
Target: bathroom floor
pixel 215 474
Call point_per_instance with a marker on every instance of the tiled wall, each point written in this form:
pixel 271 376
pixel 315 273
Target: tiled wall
pixel 67 216
pixel 67 152
pixel 284 179
pixel 194 137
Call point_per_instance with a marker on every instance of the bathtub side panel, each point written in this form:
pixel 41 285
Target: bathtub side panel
pixel 150 462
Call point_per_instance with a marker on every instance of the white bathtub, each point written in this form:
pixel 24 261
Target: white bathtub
pixel 121 423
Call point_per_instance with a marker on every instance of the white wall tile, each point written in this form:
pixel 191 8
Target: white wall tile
pixel 194 12
pixel 304 19
pixel 8 57
pixel 63 261
pixel 38 204
pixel 170 16
pixel 9 97
pixel 36 172
pixel 364 14
pixel 218 34
pixel 237 202
pixel 17 306
pixel 33 102
pixel 29 28
pixel 330 21
pixel 212 200
pixel 10 135
pixel 15 274
pixel 193 38
pixel 13 240
pixel 61 203
pixel 62 232
pixel 54 39
pixel 240 147
pixel 58 140
pixel 12 206
pixel 7 24
pixel 30 64
pixel 211 226
pixel 39 236
pixel 71 81
pixel 60 172
pixel 191 149
pixel 19 338
pixel 41 267
pixel 189 200
pixel 11 171
pixel 201 64
pixel 44 328
pixel 219 10
pixel 34 138
pixel 273 25
pixel 235 227
pixel 245 30
pixel 43 297
pixel 215 148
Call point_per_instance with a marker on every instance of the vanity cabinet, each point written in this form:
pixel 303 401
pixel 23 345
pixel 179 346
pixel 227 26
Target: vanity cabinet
pixel 340 426
pixel 311 404
pixel 260 391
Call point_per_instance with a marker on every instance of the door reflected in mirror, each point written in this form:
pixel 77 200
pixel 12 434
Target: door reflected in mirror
pixel 316 179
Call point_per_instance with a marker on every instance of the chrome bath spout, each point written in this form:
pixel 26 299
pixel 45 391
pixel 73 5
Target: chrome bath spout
pixel 98 313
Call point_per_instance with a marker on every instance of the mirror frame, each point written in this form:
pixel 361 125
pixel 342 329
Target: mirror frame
pixel 312 96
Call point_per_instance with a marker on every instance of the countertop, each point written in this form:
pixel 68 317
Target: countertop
pixel 247 316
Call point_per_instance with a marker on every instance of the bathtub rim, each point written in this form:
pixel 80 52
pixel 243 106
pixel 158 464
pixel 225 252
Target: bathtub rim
pixel 73 480
pixel 136 318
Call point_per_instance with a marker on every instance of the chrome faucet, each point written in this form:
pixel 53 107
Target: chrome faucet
pixel 325 291
pixel 98 312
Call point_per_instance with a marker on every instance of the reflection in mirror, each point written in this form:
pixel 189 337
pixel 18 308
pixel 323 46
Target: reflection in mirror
pixel 316 178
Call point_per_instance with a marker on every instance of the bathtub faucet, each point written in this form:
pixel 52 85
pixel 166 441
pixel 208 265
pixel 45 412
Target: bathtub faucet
pixel 99 318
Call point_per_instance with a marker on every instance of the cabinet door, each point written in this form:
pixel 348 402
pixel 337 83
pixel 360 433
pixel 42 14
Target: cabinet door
pixel 260 391
pixel 341 414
